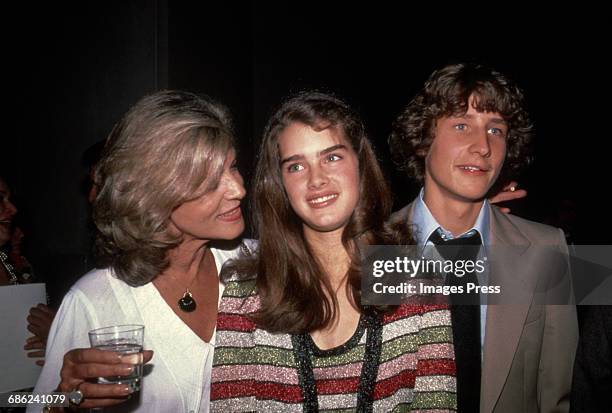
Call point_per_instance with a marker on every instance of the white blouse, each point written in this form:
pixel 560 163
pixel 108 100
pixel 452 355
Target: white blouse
pixel 177 379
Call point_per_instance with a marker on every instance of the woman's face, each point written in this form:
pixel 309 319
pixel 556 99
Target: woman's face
pixel 7 212
pixel 215 214
pixel 320 172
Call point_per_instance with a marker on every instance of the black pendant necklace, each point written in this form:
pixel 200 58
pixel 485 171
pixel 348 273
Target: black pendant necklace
pixel 187 303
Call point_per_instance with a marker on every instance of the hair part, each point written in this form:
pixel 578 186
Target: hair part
pixel 168 149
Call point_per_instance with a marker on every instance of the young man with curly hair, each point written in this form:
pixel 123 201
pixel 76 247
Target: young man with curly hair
pixel 464 129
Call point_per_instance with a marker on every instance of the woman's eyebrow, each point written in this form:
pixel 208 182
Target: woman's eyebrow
pixel 291 158
pixel 322 152
pixel 332 148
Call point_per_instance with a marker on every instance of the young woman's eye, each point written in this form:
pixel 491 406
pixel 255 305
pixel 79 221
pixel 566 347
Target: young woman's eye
pixel 461 126
pixel 332 157
pixel 295 167
pixel 234 165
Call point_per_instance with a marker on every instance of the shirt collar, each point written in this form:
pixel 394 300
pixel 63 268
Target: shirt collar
pixel 425 223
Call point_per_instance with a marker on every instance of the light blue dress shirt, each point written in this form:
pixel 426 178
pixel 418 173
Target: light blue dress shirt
pixel 425 224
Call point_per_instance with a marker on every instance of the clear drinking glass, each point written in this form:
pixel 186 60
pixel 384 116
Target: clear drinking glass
pixel 124 339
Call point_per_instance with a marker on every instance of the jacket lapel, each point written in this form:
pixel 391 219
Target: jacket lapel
pixel 504 321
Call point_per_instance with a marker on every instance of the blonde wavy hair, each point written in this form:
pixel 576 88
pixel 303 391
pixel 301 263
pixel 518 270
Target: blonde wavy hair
pixel 169 148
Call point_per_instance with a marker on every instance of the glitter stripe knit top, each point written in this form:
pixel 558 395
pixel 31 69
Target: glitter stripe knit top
pixel 402 361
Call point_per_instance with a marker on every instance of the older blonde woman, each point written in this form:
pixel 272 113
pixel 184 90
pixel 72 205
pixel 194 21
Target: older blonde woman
pixel 168 190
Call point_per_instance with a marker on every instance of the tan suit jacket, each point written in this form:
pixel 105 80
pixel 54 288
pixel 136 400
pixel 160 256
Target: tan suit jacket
pixel 529 347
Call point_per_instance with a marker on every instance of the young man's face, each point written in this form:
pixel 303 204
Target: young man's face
pixel 466 155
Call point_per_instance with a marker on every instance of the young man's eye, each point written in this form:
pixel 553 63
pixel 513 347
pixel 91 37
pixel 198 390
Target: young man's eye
pixel 234 165
pixel 461 126
pixel 294 167
pixel 497 132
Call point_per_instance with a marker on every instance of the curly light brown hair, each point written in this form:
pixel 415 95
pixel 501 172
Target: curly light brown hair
pixel 447 93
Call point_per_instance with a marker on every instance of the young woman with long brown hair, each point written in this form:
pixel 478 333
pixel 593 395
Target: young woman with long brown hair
pixel 292 334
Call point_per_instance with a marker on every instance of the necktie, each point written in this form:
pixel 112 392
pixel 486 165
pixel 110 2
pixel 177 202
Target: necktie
pixel 465 319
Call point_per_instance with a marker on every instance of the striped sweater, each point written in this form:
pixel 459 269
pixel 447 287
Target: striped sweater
pixel 399 362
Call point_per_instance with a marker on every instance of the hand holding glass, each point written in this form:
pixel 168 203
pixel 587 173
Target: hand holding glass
pixel 125 340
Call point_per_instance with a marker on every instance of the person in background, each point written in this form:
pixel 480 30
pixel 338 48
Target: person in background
pixel 14 268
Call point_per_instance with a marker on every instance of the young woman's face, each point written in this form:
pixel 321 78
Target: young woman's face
pixel 7 212
pixel 215 214
pixel 320 172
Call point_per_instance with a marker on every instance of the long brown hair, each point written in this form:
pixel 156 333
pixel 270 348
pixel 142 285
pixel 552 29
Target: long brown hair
pixel 290 280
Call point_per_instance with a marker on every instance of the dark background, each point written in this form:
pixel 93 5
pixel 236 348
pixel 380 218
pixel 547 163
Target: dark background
pixel 72 72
